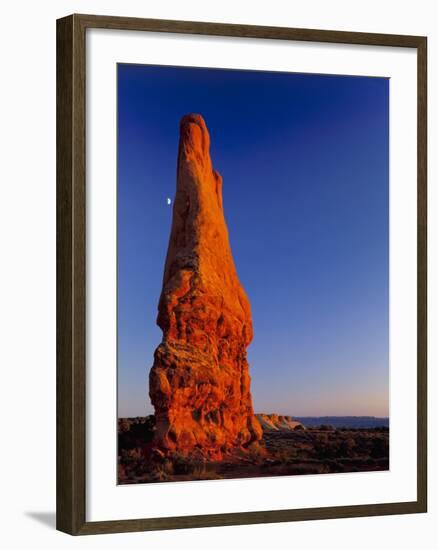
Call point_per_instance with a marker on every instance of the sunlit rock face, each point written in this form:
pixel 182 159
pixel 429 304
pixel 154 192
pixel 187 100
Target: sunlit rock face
pixel 278 423
pixel 200 382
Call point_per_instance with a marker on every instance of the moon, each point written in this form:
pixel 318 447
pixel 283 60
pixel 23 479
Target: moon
pixel 169 201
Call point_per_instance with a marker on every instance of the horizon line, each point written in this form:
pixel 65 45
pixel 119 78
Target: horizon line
pixel 292 415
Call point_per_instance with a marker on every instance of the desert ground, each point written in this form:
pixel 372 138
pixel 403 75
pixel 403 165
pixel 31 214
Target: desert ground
pixel 283 450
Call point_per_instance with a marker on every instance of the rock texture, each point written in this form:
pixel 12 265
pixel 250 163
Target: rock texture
pixel 200 382
pixel 277 422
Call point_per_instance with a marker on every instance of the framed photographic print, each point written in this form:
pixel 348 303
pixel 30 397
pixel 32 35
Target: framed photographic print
pixel 241 274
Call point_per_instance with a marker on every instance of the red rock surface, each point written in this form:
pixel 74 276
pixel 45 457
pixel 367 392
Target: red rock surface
pixel 200 382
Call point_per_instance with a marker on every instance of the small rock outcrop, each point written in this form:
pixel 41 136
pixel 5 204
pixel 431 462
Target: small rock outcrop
pixel 199 383
pixel 277 422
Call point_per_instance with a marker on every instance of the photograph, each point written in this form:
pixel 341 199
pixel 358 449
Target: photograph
pixel 252 274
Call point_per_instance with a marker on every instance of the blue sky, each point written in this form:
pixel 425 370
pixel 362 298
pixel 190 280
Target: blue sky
pixel 304 160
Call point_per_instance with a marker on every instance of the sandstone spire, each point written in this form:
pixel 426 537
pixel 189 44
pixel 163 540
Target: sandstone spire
pixel 199 382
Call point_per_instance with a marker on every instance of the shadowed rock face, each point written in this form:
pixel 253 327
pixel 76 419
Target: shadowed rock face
pixel 199 383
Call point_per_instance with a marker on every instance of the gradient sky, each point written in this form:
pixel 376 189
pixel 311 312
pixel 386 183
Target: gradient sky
pixel 304 160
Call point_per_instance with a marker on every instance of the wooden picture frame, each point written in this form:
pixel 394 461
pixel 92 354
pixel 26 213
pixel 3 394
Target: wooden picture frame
pixel 71 274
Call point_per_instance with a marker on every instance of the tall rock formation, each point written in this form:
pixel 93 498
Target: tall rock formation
pixel 199 383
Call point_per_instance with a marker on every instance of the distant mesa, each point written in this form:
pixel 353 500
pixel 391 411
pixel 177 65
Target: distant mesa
pixel 199 383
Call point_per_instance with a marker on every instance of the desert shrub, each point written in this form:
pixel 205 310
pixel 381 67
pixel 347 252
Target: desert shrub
pixel 206 475
pixel 334 466
pixel 121 473
pixel 325 428
pixel 363 445
pixel 256 453
pixel 196 468
pixel 349 468
pixel 322 438
pixel 124 425
pixel 382 463
pixel 183 465
pixel 326 449
pixel 159 473
pixel 282 454
pixel 135 432
pixel 380 448
pixel 346 447
pixel 167 467
pixel 130 455
pixel 303 469
pixel 147 424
